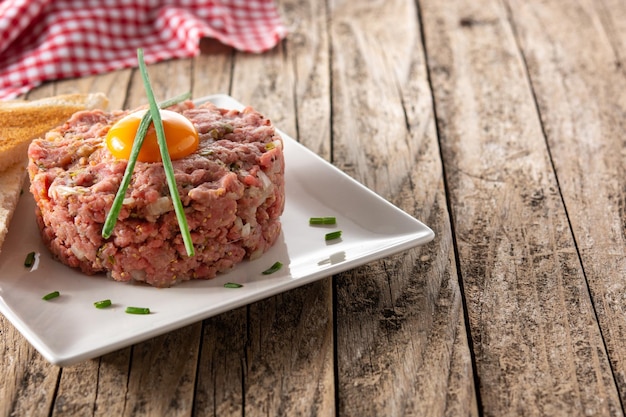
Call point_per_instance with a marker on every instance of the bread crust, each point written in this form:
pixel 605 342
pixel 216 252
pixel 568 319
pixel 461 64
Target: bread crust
pixel 21 121
pixel 11 181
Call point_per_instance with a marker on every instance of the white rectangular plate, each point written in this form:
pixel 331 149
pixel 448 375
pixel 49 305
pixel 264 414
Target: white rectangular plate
pixel 69 329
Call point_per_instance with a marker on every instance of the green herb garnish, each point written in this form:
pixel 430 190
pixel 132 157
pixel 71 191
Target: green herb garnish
pixel 333 235
pixel 30 260
pixel 137 310
pixel 153 115
pixel 102 304
pixel 232 285
pixel 113 214
pixel 165 156
pixel 277 265
pixel 50 296
pixel 322 220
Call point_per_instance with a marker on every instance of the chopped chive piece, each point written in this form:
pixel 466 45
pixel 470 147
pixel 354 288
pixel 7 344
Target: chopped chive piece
pixel 50 296
pixel 165 156
pixel 113 214
pixel 322 220
pixel 137 310
pixel 333 235
pixel 102 304
pixel 277 265
pixel 232 285
pixel 30 260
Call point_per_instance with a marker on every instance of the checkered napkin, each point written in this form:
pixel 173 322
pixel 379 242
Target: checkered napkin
pixel 44 40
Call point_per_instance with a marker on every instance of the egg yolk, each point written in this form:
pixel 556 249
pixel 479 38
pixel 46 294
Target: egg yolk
pixel 180 134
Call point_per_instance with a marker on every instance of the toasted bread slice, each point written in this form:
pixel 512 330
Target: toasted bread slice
pixel 21 121
pixel 11 181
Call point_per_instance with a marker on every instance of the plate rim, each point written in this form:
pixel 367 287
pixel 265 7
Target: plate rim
pixel 69 357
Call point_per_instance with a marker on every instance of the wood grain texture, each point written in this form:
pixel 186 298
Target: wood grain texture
pixel 499 124
pixel 77 391
pixel 162 375
pixel 309 54
pixel 402 348
pixel 112 383
pixel 221 365
pixel 290 349
pixel 30 385
pixel 167 79
pixel 169 360
pixel 266 82
pixel 28 382
pixel 212 70
pixel 585 79
pixel 289 343
pixel 538 347
pixel 113 84
pixel 219 382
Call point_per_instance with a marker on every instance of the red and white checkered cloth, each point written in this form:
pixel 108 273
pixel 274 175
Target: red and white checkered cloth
pixel 44 40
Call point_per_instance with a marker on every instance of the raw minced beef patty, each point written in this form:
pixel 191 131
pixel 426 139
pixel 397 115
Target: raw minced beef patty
pixel 232 189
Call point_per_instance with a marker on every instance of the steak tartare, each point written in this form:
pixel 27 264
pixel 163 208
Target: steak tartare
pixel 232 189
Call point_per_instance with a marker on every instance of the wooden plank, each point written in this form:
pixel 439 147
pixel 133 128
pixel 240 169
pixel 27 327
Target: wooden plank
pixel 219 385
pixel 287 362
pixel 576 69
pixel 97 387
pixel 22 364
pixel 129 381
pixel 28 381
pixel 265 82
pixel 289 366
pixel 112 383
pixel 212 69
pixel 103 385
pixel 537 345
pixel 113 84
pixel 167 78
pixel 169 360
pixel 77 390
pixel 309 51
pixel 116 392
pixel 163 373
pixel 221 366
pixel 401 342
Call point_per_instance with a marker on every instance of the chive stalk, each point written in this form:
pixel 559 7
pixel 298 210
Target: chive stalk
pixel 232 285
pixel 30 260
pixel 102 304
pixel 333 235
pixel 165 156
pixel 322 220
pixel 113 214
pixel 50 296
pixel 277 265
pixel 137 310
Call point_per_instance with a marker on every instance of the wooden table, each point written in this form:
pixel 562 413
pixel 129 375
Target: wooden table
pixel 500 124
